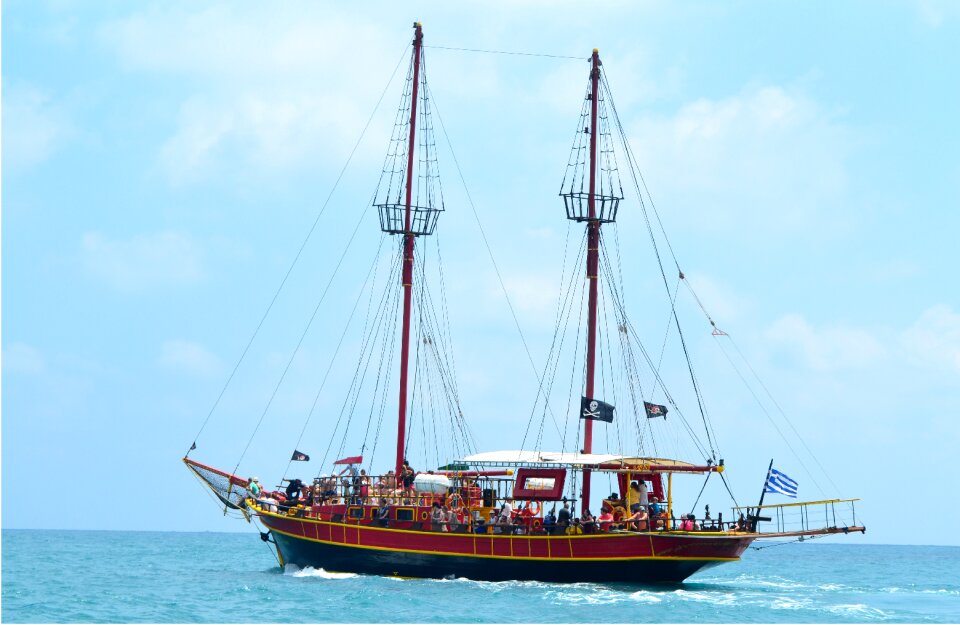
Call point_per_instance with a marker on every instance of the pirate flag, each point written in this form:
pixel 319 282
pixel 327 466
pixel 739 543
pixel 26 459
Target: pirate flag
pixel 299 455
pixel 655 410
pixel 596 410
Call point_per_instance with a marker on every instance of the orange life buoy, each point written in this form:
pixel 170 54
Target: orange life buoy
pixel 528 508
pixel 454 500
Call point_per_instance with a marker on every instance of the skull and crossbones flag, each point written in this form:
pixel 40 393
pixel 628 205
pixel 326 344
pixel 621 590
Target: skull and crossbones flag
pixel 596 410
pixel 655 410
pixel 299 456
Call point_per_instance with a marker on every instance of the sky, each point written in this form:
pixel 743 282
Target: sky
pixel 162 162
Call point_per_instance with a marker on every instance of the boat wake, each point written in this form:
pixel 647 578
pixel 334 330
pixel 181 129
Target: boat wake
pixel 295 571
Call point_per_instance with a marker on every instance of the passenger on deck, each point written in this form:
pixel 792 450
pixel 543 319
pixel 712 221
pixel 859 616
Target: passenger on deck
pixel 563 518
pixel 688 525
pixel 450 523
pixel 494 522
pixel 390 483
pixel 506 517
pixel 253 486
pixel 606 519
pixel 479 527
pixel 638 520
pixel 436 518
pixel 588 523
pixel 269 502
pixel 550 522
pixel 741 524
pixel 364 484
pixel 575 528
pixel 329 484
pixel 293 492
pixel 407 475
pixel 383 514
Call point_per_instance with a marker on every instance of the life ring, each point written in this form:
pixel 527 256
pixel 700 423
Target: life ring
pixel 424 516
pixel 454 500
pixel 528 508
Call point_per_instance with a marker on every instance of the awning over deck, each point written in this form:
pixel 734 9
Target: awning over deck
pixel 602 462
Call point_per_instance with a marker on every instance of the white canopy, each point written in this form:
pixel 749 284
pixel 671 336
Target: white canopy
pixel 534 458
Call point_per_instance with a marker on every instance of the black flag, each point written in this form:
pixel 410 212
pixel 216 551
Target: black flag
pixel 194 446
pixel 655 410
pixel 299 455
pixel 596 410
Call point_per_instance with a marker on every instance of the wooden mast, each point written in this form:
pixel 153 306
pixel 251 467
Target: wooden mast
pixel 408 239
pixel 593 249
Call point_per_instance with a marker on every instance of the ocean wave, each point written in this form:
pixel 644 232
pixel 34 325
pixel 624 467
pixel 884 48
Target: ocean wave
pixel 789 603
pixel 593 595
pixel 714 598
pixel 295 571
pixel 857 609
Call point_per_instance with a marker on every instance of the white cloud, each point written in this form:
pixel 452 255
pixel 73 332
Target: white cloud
pixel 271 88
pixel 718 298
pixel 34 127
pixel 829 348
pixel 532 294
pixel 188 357
pixel 770 156
pixel 164 258
pixel 934 12
pixel 934 340
pixel 930 345
pixel 23 358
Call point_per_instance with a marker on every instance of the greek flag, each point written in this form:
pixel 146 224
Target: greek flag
pixel 780 483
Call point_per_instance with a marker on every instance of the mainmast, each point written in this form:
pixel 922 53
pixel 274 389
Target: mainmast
pixel 594 206
pixel 593 252
pixel 408 239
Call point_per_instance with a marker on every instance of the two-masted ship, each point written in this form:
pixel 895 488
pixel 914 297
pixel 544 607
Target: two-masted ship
pixel 520 514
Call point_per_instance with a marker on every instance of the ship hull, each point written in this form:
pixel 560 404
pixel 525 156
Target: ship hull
pixel 641 558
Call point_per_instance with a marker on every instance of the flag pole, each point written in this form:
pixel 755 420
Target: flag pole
pixel 756 517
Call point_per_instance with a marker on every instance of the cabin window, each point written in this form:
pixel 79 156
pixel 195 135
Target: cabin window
pixel 539 483
pixel 404 514
pixel 355 513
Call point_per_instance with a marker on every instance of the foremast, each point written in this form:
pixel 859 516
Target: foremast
pixel 408 244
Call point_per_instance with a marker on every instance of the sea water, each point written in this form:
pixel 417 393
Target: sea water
pixel 78 576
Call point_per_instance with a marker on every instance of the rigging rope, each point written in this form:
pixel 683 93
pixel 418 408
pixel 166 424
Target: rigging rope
pixel 634 173
pixel 336 350
pixel 302 336
pixel 508 52
pixel 296 258
pixel 496 268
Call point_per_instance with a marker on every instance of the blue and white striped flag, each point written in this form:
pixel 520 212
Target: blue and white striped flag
pixel 780 483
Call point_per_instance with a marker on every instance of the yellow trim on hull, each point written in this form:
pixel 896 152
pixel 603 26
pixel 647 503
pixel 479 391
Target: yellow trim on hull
pixel 478 555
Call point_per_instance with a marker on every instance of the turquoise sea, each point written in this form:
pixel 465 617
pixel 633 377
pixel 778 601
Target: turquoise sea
pixel 79 576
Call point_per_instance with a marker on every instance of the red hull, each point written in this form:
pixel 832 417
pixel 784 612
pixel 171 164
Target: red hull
pixel 639 557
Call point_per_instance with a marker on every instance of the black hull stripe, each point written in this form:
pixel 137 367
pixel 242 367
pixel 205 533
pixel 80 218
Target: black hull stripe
pixel 392 562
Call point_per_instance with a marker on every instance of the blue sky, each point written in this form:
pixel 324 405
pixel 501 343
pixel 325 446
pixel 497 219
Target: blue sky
pixel 162 162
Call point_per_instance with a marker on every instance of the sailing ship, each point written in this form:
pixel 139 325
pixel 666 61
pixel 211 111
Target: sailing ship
pixel 493 515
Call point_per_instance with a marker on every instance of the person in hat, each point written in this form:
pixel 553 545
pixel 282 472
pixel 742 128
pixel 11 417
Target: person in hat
pixel 253 485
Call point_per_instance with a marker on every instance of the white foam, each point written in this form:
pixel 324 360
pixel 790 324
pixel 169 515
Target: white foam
pixel 789 603
pixel 714 598
pixel 645 596
pixel 858 609
pixel 295 571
